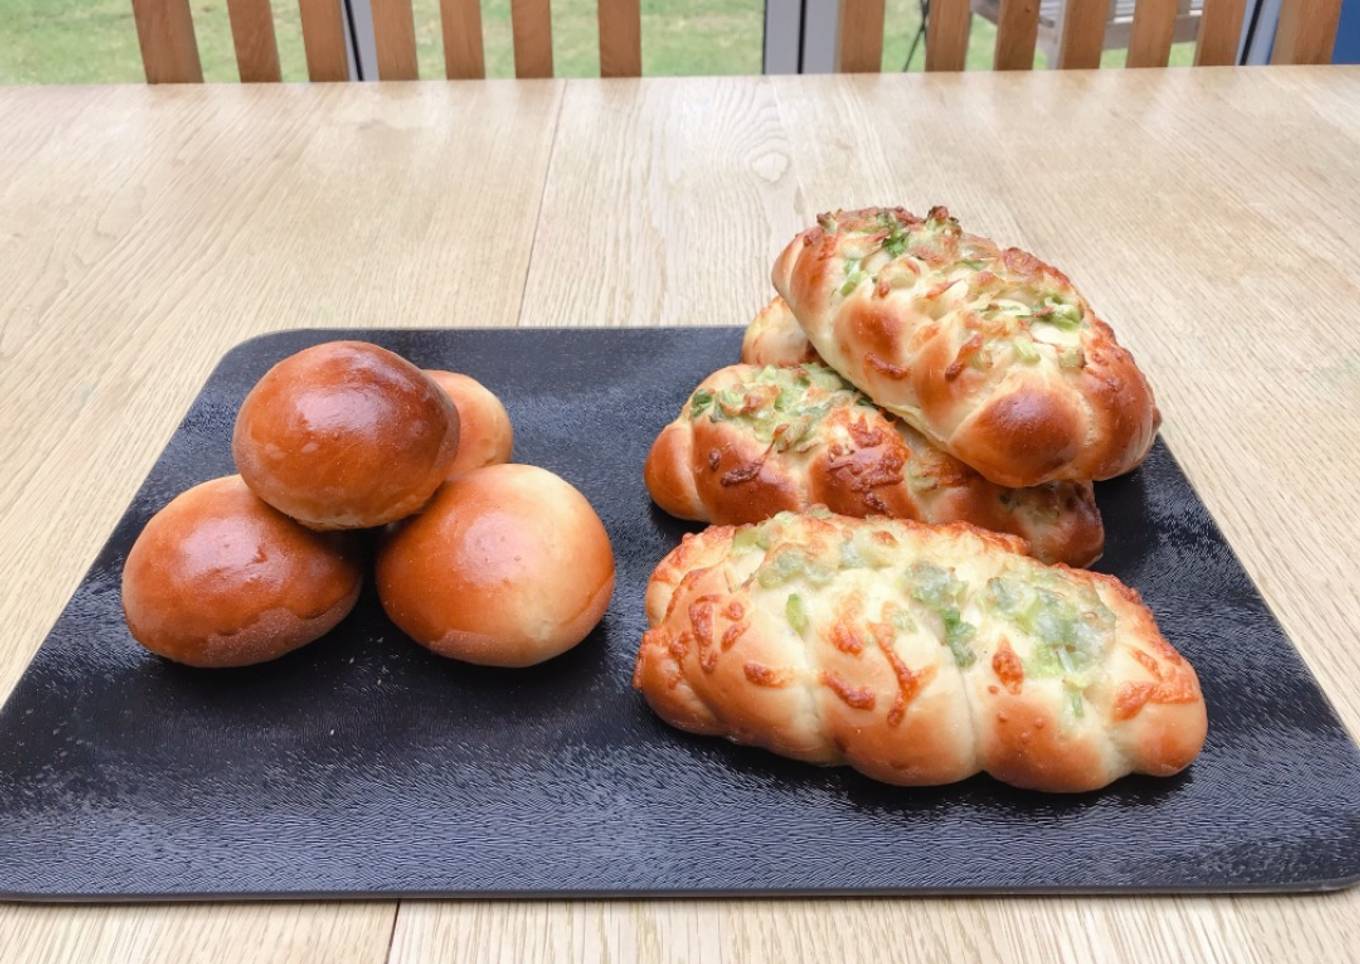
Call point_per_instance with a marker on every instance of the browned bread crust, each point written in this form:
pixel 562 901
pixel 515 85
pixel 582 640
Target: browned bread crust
pixel 751 441
pixel 992 354
pixel 485 435
pixel 345 435
pixel 219 578
pixel 774 338
pixel 916 654
pixel 507 566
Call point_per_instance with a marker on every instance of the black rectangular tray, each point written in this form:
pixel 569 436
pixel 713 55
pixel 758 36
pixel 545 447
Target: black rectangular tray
pixel 363 765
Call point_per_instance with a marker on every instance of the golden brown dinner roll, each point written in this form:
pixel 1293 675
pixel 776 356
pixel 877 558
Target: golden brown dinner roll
pixel 218 578
pixel 345 435
pixel 485 436
pixel 507 566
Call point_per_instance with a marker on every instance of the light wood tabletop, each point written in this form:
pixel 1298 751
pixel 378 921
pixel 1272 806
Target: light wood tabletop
pixel 1209 214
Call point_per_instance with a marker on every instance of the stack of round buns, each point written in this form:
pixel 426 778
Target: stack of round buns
pixel 504 565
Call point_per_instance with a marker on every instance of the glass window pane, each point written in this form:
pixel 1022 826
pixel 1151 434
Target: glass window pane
pixel 678 37
pixel 702 36
pixel 69 42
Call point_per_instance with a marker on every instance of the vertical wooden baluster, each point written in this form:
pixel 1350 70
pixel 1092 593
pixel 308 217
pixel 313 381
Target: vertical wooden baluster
pixel 252 33
pixel 1017 29
pixel 620 38
pixel 394 36
pixel 1083 33
pixel 323 37
pixel 861 37
pixel 165 32
pixel 464 57
pixel 947 35
pixel 1220 31
pixel 1154 24
pixel 1307 32
pixel 531 24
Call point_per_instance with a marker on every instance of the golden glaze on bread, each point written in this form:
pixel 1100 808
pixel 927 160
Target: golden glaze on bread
pixel 774 338
pixel 750 442
pixel 219 578
pixel 485 436
pixel 507 566
pixel 993 354
pixel 345 435
pixel 916 654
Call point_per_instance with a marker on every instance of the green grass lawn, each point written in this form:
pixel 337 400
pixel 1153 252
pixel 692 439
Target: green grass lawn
pixel 94 41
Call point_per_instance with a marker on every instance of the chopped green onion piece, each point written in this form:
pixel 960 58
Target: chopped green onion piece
pixel 1075 700
pixel 1060 315
pixel 795 613
pixel 699 401
pixel 1071 358
pixel 1025 350
pixel 752 538
pixel 903 622
pixel 957 635
pixel 850 557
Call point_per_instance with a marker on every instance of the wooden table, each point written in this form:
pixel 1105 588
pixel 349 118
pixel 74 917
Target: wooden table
pixel 1211 215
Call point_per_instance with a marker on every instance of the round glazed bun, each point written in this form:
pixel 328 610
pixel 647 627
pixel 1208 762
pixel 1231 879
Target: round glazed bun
pixel 345 435
pixel 485 436
pixel 508 566
pixel 218 578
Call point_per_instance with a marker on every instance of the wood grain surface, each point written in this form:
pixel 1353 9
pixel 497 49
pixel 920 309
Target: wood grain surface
pixel 129 264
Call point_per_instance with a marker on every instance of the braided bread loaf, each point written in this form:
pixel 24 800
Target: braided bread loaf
pixel 774 338
pixel 752 441
pixel 992 354
pixel 915 654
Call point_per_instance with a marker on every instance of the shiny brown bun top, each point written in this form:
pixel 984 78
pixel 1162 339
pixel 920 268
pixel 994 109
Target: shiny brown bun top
pixel 508 566
pixel 218 578
pixel 485 436
pixel 345 435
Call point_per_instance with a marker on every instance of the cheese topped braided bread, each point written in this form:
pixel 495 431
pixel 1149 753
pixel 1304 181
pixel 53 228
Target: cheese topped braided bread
pixel 774 338
pixel 753 441
pixel 992 354
pixel 915 654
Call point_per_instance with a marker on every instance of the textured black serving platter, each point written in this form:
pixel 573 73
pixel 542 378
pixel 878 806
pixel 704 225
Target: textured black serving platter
pixel 362 765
